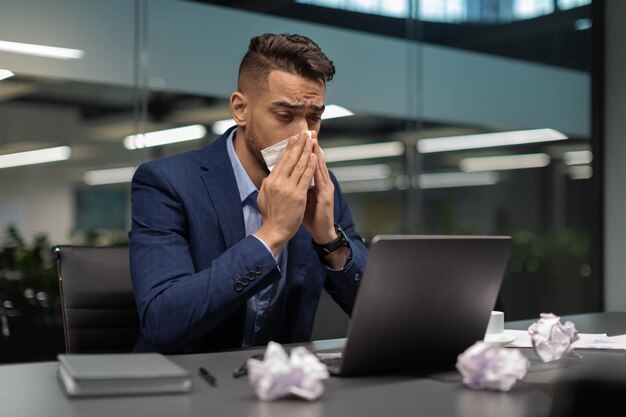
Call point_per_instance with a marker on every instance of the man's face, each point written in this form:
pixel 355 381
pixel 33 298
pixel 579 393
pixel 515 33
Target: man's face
pixel 288 105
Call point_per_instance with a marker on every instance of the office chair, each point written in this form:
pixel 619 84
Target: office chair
pixel 97 299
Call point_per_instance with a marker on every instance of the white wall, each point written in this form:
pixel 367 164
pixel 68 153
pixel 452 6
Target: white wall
pixel 615 156
pixel 37 199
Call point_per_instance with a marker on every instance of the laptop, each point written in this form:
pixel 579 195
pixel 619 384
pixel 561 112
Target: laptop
pixel 422 301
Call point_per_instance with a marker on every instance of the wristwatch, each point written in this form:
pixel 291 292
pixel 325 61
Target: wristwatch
pixel 340 242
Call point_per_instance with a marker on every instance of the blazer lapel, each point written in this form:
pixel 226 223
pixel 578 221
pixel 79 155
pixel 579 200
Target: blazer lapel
pixel 219 180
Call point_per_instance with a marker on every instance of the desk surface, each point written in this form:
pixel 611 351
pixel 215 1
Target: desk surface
pixel 32 390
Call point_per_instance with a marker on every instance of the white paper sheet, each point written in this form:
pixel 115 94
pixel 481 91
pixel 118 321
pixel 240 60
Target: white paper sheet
pixel 586 341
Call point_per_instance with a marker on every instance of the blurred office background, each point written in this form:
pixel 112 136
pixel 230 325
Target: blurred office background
pixel 417 82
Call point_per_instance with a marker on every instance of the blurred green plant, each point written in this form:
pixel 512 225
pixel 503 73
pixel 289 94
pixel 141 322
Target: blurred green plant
pixel 562 248
pixel 23 265
pixel 548 273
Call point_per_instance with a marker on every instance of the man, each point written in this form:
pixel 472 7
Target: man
pixel 225 253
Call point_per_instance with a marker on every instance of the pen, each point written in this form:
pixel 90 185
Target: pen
pixel 243 368
pixel 208 377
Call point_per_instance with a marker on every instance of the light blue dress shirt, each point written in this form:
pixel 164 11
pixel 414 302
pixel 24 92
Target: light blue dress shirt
pixel 264 310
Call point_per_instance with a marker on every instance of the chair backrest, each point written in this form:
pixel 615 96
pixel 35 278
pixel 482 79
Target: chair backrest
pixel 97 299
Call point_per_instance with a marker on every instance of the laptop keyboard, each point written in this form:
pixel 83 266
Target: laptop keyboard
pixel 330 359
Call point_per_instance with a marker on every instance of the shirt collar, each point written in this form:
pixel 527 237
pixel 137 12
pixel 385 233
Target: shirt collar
pixel 244 183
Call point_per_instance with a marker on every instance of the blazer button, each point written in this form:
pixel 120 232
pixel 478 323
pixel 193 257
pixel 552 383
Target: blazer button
pixel 357 277
pixel 238 286
pixel 244 281
pixel 258 270
pixel 251 276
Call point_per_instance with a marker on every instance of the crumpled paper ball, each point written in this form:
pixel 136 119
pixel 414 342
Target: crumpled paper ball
pixel 550 338
pixel 488 366
pixel 280 374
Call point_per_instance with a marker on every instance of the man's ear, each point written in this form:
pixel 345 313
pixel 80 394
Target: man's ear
pixel 239 108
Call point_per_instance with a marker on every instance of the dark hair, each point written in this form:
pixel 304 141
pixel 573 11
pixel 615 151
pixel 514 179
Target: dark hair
pixel 296 54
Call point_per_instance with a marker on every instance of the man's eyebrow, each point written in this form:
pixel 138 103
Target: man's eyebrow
pixel 297 106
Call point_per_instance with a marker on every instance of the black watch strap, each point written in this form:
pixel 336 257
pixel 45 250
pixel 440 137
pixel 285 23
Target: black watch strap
pixel 340 242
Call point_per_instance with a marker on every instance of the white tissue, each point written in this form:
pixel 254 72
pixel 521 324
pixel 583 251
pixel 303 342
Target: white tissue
pixel 280 374
pixel 551 339
pixel 272 153
pixel 488 366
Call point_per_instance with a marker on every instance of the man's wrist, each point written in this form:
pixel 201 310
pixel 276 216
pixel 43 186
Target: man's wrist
pixel 338 259
pixel 325 249
pixel 327 237
pixel 269 250
pixel 272 239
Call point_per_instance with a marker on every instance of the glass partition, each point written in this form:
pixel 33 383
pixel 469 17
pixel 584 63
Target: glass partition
pixel 453 117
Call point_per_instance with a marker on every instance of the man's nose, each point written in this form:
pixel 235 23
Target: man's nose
pixel 302 124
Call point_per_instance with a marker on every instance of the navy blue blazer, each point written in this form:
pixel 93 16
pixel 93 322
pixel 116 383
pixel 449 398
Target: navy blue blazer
pixel 189 255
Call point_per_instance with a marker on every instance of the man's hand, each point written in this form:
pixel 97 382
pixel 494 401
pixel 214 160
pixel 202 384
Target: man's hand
pixel 283 195
pixel 319 214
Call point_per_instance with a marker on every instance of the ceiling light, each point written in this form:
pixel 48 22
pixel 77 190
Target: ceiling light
pixel 494 163
pixel 362 172
pixel 368 186
pixel 39 156
pixel 109 176
pixel 457 179
pixel 222 126
pixel 580 172
pixel 577 157
pixel 583 24
pixel 486 140
pixel 331 111
pixel 41 50
pixel 164 137
pixel 5 74
pixel 373 150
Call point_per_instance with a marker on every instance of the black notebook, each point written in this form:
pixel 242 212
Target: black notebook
pixel 122 374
